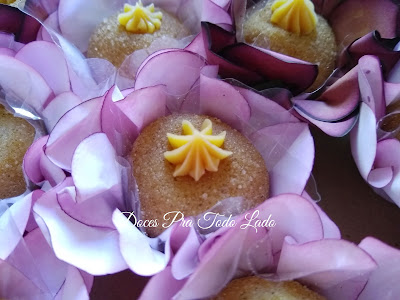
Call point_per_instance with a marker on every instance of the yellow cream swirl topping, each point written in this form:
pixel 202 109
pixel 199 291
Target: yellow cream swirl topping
pixel 196 151
pixel 7 1
pixel 140 19
pixel 297 16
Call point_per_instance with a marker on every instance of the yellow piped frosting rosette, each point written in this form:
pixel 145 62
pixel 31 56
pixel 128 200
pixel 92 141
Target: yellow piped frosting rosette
pixel 140 19
pixel 196 151
pixel 7 2
pixel 297 16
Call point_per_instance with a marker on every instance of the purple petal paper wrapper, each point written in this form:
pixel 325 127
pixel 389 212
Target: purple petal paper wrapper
pixel 82 213
pixel 251 65
pixel 376 152
pixel 334 106
pixel 29 82
pixel 382 284
pixel 345 18
pixel 340 96
pixel 32 271
pixel 34 85
pixel 337 113
pixel 83 81
pixel 15 22
pixel 295 249
pixel 14 216
pixel 28 266
pixel 77 20
pixel 36 82
pixel 71 23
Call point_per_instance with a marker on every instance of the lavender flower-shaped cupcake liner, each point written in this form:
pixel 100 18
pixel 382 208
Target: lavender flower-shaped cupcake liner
pixel 81 213
pixel 35 86
pixel 333 107
pixel 297 248
pixel 71 23
pixel 375 148
pixel 32 271
pixel 23 27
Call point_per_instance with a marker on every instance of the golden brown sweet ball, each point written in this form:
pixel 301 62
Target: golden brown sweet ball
pixel 255 288
pixel 317 46
pixel 241 174
pixel 114 41
pixel 16 135
pixel 392 122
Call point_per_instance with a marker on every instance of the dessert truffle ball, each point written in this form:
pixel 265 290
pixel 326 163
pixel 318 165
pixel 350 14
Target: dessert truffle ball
pixel 392 121
pixel 316 46
pixel 241 174
pixel 255 288
pixel 16 135
pixel 113 41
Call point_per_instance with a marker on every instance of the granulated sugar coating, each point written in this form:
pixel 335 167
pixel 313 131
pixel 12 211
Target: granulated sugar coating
pixel 256 288
pixel 392 122
pixel 111 41
pixel 16 135
pixel 241 174
pixel 318 47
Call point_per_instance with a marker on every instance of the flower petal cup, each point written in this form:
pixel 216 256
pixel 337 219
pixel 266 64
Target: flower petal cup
pixel 332 105
pixel 13 21
pixel 295 249
pixel 93 28
pixel 36 88
pixel 35 91
pixel 374 140
pixel 32 271
pixel 89 210
pixel 28 87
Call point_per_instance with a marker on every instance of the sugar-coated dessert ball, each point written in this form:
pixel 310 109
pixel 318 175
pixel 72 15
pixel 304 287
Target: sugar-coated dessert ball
pixel 241 174
pixel 114 42
pixel 392 122
pixel 318 46
pixel 16 135
pixel 256 288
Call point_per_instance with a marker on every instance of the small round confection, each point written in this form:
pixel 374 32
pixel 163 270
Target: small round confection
pixel 392 122
pixel 16 135
pixel 7 1
pixel 113 42
pixel 318 47
pixel 255 288
pixel 241 174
